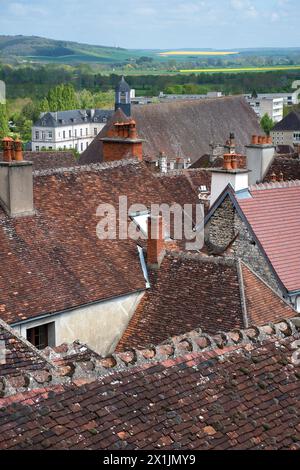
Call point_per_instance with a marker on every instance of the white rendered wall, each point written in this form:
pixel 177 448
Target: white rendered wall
pixel 100 326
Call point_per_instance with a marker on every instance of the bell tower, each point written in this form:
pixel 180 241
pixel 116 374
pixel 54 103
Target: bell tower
pixel 123 99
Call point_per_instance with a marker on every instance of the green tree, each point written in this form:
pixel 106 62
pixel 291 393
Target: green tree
pixel 4 127
pixel 44 106
pixel 267 124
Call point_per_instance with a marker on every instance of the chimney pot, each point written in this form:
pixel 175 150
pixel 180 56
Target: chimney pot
pixel 234 161
pixel 260 140
pixel 156 244
pixel 227 161
pixel 8 149
pixel 18 150
pixel 281 177
pixel 254 140
pixel 273 177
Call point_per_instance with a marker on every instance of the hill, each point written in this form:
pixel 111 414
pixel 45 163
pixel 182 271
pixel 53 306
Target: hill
pixel 37 49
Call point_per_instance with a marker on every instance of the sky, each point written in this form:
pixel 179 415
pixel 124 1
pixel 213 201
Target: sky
pixel 157 24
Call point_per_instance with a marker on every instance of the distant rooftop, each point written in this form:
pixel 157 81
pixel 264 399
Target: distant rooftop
pixel 73 117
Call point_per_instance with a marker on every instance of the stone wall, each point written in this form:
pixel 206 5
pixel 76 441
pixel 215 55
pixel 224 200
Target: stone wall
pixel 221 229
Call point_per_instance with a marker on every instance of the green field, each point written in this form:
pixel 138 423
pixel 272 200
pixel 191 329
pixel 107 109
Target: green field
pixel 242 69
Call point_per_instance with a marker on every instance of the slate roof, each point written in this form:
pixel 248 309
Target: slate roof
pixel 234 391
pixel 73 117
pixel 273 212
pixel 291 122
pixel 49 160
pixel 53 261
pixel 186 129
pixel 123 86
pixel 210 291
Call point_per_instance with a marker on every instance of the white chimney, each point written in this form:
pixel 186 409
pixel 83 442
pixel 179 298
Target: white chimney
pixel 230 173
pixel 260 154
pixel 163 162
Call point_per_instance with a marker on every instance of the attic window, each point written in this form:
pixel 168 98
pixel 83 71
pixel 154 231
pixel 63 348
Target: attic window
pixel 203 188
pixel 41 336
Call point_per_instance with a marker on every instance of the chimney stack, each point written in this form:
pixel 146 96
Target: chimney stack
pixel 16 180
pixel 228 174
pixel 260 154
pixel 122 142
pixel 162 162
pixel 156 243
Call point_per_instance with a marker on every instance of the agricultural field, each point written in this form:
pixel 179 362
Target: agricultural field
pixel 242 69
pixel 197 53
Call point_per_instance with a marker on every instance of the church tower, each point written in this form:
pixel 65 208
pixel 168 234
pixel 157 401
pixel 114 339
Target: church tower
pixel 123 100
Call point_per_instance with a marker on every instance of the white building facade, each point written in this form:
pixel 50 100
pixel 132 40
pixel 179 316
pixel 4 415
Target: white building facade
pixel 272 106
pixel 66 130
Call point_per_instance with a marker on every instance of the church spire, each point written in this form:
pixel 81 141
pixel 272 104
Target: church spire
pixel 123 99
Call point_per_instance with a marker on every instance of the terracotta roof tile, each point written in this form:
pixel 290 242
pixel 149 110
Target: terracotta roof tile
pixel 17 355
pixel 209 291
pixel 241 393
pixel 49 160
pixel 53 261
pixel 273 212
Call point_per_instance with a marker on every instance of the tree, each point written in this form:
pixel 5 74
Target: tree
pixel 4 127
pixel 267 124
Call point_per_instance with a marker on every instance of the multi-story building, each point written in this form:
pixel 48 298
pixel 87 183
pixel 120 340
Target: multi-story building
pixel 76 129
pixel 64 130
pixel 263 104
pixel 287 131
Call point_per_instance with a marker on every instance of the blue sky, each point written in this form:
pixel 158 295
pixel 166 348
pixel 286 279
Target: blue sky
pixel 157 23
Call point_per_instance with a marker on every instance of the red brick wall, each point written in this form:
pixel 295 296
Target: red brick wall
pixel 155 247
pixel 118 150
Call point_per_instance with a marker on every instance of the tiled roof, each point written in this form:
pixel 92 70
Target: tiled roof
pixel 262 303
pixel 289 167
pixel 54 261
pixel 49 160
pixel 204 162
pixel 273 211
pixel 235 391
pixel 291 122
pixel 18 355
pixel 186 129
pixel 211 293
pixel 94 152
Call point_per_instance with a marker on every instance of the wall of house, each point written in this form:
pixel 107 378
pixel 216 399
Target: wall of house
pixel 282 137
pixel 77 136
pixel 100 326
pixel 223 226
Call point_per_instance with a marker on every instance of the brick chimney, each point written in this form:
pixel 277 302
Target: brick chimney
pixel 156 243
pixel 122 142
pixel 16 180
pixel 228 174
pixel 260 154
